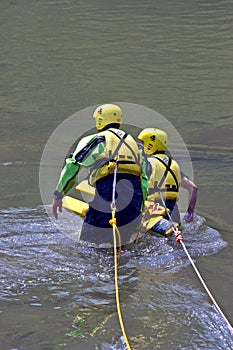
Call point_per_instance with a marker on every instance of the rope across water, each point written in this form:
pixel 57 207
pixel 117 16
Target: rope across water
pixel 116 261
pixel 180 240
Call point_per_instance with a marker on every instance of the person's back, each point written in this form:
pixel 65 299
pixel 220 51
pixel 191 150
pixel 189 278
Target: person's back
pixel 116 171
pixel 120 147
pixel 117 174
pixel 164 181
pixel 165 177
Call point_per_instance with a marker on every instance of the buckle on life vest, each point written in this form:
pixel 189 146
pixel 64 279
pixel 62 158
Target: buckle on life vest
pixel 122 168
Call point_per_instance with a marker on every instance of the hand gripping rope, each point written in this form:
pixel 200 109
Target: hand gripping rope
pixel 180 240
pixel 115 229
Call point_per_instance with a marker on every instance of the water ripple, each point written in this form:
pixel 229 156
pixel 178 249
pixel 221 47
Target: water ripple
pixel 158 296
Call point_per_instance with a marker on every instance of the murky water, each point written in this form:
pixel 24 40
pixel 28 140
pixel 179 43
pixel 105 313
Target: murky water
pixel 57 294
pixel 58 57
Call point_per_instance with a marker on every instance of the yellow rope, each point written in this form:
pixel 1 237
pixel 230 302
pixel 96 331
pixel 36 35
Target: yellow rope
pixel 114 224
pixel 115 228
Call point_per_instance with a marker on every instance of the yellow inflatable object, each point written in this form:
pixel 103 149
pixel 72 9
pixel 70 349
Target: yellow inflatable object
pixel 86 188
pixel 154 211
pixel 75 205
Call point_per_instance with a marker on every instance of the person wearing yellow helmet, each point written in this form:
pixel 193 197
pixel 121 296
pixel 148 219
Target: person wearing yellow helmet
pixel 106 115
pixel 165 179
pixel 111 154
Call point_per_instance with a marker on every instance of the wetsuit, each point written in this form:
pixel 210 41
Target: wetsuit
pixel 102 152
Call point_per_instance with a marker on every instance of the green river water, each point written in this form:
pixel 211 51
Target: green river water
pixel 59 57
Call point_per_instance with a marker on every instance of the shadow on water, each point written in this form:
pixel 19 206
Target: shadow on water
pixel 57 294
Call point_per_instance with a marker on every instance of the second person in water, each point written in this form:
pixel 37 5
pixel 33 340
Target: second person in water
pixel 165 179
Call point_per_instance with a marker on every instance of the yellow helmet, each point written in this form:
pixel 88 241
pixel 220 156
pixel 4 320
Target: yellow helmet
pixel 107 114
pixel 155 140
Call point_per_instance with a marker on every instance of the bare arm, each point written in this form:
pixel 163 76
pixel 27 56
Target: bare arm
pixel 192 189
pixel 57 205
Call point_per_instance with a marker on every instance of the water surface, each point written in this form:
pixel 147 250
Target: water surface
pixel 58 57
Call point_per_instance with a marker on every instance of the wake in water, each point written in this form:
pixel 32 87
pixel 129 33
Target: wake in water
pixel 161 301
pixel 166 254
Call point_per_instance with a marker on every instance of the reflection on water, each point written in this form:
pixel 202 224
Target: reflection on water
pixel 50 278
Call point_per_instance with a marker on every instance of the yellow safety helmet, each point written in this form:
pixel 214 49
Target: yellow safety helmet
pixel 107 114
pixel 155 140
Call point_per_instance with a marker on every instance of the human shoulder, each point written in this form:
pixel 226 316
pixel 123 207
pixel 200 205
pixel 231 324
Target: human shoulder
pixel 114 131
pixel 162 156
pixel 86 140
pixel 166 157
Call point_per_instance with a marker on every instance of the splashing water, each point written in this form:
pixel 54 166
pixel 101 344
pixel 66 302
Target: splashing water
pixel 162 307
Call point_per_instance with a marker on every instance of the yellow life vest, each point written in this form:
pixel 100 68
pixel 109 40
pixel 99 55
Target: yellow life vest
pixel 121 147
pixel 166 175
